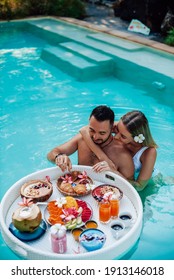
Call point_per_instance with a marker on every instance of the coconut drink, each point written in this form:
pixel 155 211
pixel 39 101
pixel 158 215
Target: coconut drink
pixel 27 217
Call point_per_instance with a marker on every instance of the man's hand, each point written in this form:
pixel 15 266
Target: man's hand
pixel 64 162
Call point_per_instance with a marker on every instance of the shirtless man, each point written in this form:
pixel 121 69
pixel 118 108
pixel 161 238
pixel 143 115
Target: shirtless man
pixel 100 127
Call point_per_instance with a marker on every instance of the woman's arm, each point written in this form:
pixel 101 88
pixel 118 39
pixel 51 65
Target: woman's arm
pixel 124 168
pixel 139 185
pixel 95 149
pixel 148 160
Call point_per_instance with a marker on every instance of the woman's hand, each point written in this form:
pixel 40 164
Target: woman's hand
pixel 101 166
pixel 115 129
pixel 104 166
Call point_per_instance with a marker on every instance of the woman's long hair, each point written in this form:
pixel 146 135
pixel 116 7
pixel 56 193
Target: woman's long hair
pixel 137 123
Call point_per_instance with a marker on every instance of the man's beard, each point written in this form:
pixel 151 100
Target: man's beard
pixel 101 141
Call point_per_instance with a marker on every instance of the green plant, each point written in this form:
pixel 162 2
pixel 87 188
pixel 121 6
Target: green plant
pixel 5 10
pixel 67 8
pixel 11 9
pixel 169 40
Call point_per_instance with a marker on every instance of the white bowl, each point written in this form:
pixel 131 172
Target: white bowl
pixel 126 218
pixel 117 229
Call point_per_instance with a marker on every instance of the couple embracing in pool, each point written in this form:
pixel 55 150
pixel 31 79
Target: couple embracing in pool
pixel 125 147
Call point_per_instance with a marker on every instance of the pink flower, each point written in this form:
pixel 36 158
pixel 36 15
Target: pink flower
pixel 83 177
pixel 26 202
pixel 67 179
pixel 69 214
pixel 48 179
pixel 107 196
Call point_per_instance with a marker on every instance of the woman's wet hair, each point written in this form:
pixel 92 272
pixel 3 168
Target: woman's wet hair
pixel 137 123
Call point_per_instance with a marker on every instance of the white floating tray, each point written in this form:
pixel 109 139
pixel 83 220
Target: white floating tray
pixel 41 248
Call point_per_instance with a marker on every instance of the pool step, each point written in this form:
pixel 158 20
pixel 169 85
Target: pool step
pixel 105 62
pixel 104 47
pixel 116 42
pixel 71 63
pixel 57 33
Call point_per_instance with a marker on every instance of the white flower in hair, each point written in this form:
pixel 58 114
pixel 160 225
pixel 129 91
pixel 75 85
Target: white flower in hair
pixel 139 138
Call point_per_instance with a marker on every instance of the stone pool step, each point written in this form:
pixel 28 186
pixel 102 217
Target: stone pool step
pixel 72 64
pixel 91 55
pixel 116 42
pixel 58 33
pixel 104 47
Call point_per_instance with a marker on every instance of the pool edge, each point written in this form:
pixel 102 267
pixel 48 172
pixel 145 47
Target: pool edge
pixel 117 33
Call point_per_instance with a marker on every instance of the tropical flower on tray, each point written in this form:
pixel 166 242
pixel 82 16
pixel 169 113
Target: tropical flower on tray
pixel 67 179
pixel 60 202
pixel 107 196
pixel 83 177
pixel 26 202
pixel 90 187
pixel 72 217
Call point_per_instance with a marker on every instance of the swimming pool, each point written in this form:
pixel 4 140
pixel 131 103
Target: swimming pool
pixel 43 107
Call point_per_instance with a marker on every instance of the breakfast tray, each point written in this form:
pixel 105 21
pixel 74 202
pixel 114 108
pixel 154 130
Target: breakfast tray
pixel 41 248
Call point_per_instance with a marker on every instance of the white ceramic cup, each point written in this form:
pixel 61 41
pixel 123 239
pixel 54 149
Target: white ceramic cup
pixel 126 218
pixel 117 228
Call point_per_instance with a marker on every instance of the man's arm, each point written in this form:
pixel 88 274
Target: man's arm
pixel 59 155
pixel 95 148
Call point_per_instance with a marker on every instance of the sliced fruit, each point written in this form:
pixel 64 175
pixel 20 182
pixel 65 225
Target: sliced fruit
pixel 71 202
pixel 87 212
pixel 79 220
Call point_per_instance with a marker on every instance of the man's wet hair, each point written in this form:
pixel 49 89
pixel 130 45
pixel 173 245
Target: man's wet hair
pixel 103 113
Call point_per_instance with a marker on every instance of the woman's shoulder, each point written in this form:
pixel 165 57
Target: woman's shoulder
pixel 150 152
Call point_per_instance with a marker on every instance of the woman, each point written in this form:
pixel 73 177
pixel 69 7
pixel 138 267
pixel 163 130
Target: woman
pixel 134 132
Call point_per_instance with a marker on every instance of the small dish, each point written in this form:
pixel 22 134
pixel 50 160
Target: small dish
pixel 76 233
pixel 126 218
pixel 91 224
pixel 92 239
pixel 117 229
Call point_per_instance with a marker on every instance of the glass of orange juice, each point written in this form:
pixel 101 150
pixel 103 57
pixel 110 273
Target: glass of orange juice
pixel 115 206
pixel 104 212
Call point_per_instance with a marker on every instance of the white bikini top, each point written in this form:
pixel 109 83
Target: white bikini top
pixel 136 159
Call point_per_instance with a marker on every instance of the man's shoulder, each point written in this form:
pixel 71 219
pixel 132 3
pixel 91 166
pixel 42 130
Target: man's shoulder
pixel 77 137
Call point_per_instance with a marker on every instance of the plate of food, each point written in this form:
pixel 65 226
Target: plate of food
pixel 37 190
pixel 75 183
pixel 68 211
pixel 102 190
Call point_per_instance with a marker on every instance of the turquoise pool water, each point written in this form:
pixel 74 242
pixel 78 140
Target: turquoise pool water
pixel 42 107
